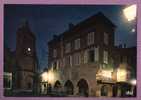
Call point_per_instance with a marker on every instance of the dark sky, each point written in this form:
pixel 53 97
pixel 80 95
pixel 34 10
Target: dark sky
pixel 45 20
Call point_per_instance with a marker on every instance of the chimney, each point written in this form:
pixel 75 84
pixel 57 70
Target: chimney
pixel 120 45
pixel 70 26
pixel 124 45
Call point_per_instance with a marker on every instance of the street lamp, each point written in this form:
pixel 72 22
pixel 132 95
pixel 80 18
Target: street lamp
pixel 130 12
pixel 48 77
pixel 133 88
pixel 133 82
pixel 51 77
pixel 44 77
pixel 44 82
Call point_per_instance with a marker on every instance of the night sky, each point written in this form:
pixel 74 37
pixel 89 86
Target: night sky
pixel 45 21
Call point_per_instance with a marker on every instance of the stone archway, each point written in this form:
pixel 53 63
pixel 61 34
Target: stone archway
pixel 29 82
pixel 57 86
pixel 69 87
pixel 83 88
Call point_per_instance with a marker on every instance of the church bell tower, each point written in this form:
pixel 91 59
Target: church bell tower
pixel 26 60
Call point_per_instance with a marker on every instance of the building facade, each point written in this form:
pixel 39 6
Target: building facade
pixel 81 53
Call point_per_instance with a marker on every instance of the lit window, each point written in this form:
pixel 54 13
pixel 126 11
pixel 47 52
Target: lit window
pixel 7 80
pixel 105 57
pixel 77 44
pixel 90 38
pixel 121 75
pixel 105 38
pixel 67 47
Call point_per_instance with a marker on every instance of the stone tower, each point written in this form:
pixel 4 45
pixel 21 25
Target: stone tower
pixel 26 60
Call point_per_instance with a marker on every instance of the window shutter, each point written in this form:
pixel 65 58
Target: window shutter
pixel 97 54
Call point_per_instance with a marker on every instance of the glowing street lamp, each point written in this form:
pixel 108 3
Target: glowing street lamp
pixel 29 49
pixel 133 30
pixel 48 77
pixel 44 77
pixel 51 77
pixel 130 12
pixel 133 81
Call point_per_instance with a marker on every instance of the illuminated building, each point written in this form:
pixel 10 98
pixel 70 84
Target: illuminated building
pixel 86 56
pixel 83 56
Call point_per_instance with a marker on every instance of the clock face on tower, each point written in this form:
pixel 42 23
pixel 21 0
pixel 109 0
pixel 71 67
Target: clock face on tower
pixel 28 51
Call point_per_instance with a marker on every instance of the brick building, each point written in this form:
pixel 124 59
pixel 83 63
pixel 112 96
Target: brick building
pixel 87 59
pixel 81 51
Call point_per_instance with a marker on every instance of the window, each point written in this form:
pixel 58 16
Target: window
pixel 90 38
pixel 54 53
pixel 68 61
pixel 54 65
pixel 77 44
pixel 105 57
pixel 77 59
pixel 105 38
pixel 67 47
pixel 57 65
pixel 86 56
pixel 63 62
pixel 91 55
pixel 7 80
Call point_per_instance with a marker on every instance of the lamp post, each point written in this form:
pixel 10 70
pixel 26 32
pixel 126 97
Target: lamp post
pixel 44 82
pixel 48 78
pixel 133 88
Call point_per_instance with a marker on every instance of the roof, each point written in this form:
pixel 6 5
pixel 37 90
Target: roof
pixel 96 17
